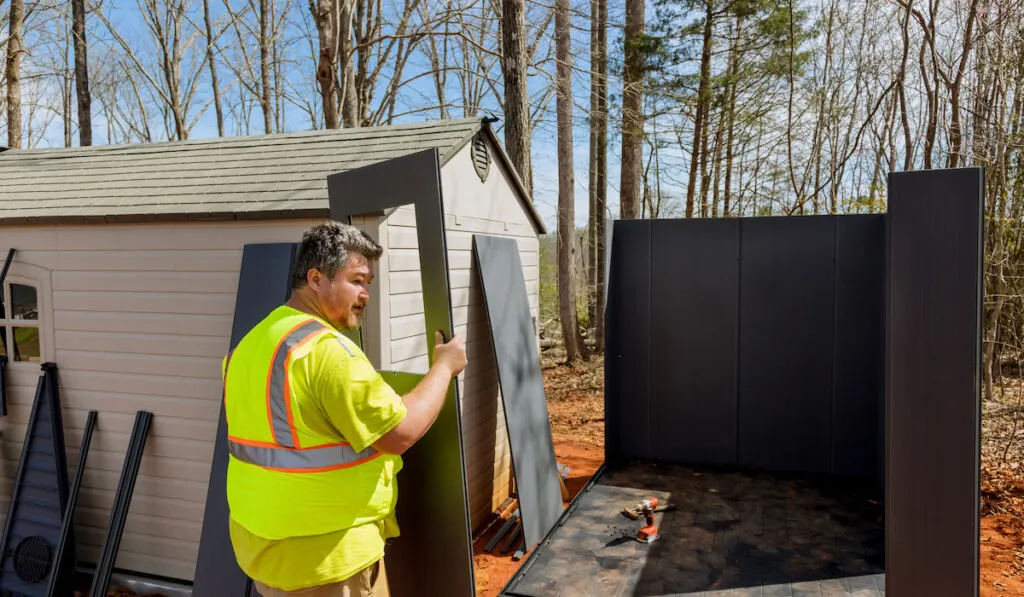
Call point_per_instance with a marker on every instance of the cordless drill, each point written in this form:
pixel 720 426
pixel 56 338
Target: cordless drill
pixel 646 508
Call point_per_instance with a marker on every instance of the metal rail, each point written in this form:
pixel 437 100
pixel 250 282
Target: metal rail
pixel 122 500
pixel 65 544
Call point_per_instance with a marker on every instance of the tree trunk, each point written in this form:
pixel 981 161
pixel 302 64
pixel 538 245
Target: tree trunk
pixel 14 51
pixel 730 113
pixel 81 73
pixel 265 69
pixel 703 99
pixel 575 349
pixel 592 260
pixel 327 17
pixel 213 68
pixel 716 164
pixel 601 200
pixel 517 108
pixel 350 95
pixel 632 115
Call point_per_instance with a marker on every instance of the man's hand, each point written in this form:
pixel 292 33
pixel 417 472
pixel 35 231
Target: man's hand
pixel 425 401
pixel 450 355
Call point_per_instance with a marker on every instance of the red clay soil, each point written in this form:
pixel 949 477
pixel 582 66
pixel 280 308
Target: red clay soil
pixel 1002 555
pixel 1002 521
pixel 576 408
pixel 494 570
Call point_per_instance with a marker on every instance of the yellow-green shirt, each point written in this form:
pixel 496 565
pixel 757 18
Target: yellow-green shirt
pixel 362 407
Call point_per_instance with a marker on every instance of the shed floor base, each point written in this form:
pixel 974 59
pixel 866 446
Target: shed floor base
pixel 733 534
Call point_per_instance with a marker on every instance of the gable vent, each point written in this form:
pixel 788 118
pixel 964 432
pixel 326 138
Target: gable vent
pixel 481 157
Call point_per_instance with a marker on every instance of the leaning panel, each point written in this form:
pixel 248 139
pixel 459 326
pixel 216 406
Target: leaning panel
pixel 522 385
pixel 264 283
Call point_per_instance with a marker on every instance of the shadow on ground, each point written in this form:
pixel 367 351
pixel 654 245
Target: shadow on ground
pixel 734 533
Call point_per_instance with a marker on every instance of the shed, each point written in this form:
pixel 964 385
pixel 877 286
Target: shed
pixel 125 275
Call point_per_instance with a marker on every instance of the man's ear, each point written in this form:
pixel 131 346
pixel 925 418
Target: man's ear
pixel 313 277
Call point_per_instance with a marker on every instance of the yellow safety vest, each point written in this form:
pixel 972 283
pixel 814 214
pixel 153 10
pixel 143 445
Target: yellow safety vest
pixel 284 479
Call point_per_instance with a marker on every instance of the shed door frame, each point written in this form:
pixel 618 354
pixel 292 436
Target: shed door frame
pixel 436 507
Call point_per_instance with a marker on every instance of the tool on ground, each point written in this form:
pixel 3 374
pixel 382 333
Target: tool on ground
pixel 646 508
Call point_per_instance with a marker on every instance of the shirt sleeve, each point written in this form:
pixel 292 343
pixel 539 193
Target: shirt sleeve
pixel 353 395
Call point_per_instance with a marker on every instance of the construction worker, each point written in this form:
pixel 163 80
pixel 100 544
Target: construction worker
pixel 316 434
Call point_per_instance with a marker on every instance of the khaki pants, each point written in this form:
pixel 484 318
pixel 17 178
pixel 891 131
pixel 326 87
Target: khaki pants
pixel 371 581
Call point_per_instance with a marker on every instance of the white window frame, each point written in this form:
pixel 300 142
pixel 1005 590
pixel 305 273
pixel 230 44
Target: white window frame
pixel 41 322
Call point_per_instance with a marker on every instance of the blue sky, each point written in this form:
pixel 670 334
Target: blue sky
pixel 125 17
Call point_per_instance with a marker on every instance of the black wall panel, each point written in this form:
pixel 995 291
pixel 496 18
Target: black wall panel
pixel 264 283
pixel 753 341
pixel 859 360
pixel 628 342
pixel 694 301
pixel 933 401
pixel 522 385
pixel 787 312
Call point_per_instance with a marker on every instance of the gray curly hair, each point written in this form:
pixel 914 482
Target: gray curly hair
pixel 327 246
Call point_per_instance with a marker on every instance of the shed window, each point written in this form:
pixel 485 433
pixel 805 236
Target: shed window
pixel 19 322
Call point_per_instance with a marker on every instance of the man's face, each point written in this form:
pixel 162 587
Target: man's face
pixel 344 297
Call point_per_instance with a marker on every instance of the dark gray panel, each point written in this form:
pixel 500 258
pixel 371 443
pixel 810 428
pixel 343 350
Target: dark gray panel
pixel 264 283
pixel 786 320
pixel 694 305
pixel 859 358
pixel 628 342
pixel 933 403
pixel 522 386
pixel 435 509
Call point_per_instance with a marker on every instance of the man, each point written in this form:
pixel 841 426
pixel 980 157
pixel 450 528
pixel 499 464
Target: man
pixel 315 433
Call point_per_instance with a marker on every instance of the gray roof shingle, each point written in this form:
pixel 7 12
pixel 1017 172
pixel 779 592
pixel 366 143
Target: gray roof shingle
pixel 283 175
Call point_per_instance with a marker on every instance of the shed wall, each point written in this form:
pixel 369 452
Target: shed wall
pixel 471 207
pixel 139 317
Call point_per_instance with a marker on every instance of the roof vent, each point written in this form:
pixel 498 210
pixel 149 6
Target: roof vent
pixel 481 157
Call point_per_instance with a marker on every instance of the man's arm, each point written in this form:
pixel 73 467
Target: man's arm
pixel 424 402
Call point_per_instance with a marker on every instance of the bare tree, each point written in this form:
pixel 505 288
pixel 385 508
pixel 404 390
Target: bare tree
pixel 574 347
pixel 265 69
pixel 211 62
pixel 632 113
pixel 698 155
pixel 14 51
pixel 82 72
pixel 327 15
pixel 598 165
pixel 517 103
pixel 174 79
pixel 257 79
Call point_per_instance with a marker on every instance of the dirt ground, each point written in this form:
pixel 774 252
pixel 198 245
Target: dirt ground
pixel 1002 493
pixel 576 407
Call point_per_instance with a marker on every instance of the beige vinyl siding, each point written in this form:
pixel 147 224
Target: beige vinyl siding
pixel 493 208
pixel 407 334
pixel 136 316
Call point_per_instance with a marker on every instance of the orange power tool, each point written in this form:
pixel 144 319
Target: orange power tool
pixel 646 508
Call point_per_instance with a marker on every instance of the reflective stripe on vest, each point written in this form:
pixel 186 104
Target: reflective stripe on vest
pixel 285 454
pixel 318 459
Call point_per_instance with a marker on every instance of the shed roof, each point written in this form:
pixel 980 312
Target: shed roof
pixel 262 176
